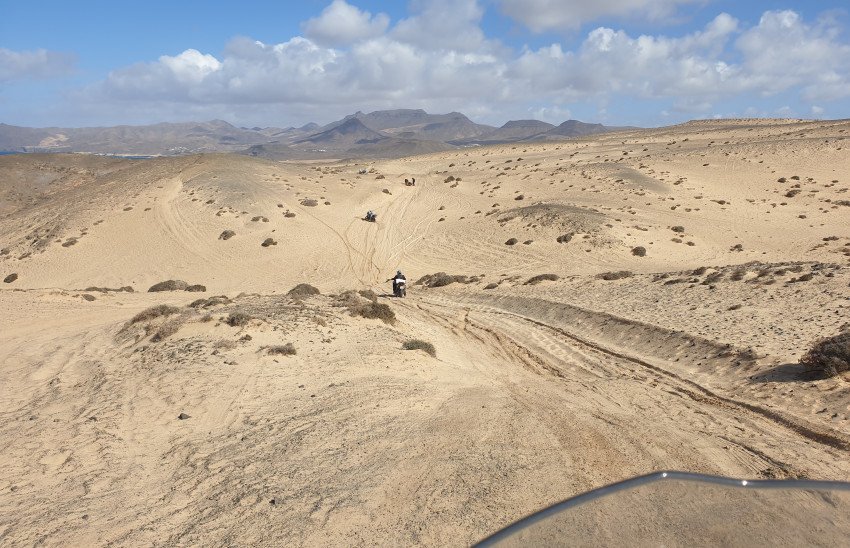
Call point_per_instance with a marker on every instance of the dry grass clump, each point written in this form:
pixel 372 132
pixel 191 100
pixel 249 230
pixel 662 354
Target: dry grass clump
pixel 377 311
pixel 678 229
pixel 303 290
pixel 368 294
pixel 238 319
pixel 170 327
pixel 154 312
pixel 372 310
pixel 829 356
pixel 564 238
pixel 10 278
pixel 417 344
pixel 268 241
pixel 309 202
pixel 197 288
pixel 169 285
pixel 511 241
pixel 541 278
pixel 226 235
pixel 212 301
pixel 287 349
pixel 619 275
pixel 639 251
pixel 441 279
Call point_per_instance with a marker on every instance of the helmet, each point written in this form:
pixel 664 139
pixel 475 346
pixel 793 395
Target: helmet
pixel 398 273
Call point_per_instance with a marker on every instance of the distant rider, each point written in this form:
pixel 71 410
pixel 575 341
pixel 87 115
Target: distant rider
pixel 399 277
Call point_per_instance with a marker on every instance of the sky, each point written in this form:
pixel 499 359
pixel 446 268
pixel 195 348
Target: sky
pixel 262 63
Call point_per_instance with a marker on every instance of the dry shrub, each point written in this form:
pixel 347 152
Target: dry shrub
pixel 619 275
pixel 541 278
pixel 170 327
pixel 169 285
pixel 373 311
pixel 511 241
pixel 212 301
pixel 368 294
pixel 639 251
pixel 268 241
pixel 738 274
pixel 197 288
pixel 309 202
pixel 154 312
pixel 226 235
pixel 416 344
pixel 287 349
pixel 238 318
pixel 564 238
pixel 225 344
pixel 829 356
pixel 303 290
pixel 441 279
pixel 679 229
pixel 10 278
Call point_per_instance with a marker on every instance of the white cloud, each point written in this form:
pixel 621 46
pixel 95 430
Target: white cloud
pixel 36 64
pixel 342 24
pixel 440 59
pixel 782 51
pixel 542 15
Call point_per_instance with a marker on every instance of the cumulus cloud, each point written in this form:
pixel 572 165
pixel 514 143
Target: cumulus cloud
pixel 341 24
pixel 542 15
pixel 33 65
pixel 439 62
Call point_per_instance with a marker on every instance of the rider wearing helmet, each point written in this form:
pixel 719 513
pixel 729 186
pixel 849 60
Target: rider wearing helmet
pixel 399 277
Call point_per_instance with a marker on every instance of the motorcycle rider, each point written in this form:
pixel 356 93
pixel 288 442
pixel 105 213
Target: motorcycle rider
pixel 399 277
pixel 370 216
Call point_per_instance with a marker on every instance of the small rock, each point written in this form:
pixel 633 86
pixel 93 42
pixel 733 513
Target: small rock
pixel 182 416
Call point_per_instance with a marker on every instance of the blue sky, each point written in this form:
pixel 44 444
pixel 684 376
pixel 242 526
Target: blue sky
pixel 619 62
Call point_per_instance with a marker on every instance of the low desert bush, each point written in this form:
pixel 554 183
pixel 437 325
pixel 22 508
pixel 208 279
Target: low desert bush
pixel 169 285
pixel 373 311
pixel 564 238
pixel 226 235
pixel 511 241
pixel 368 294
pixel 619 275
pixel 212 301
pixel 639 251
pixel 197 288
pixel 541 278
pixel 238 318
pixel 268 242
pixel 309 202
pixel 10 278
pixel 287 349
pixel 154 312
pixel 170 327
pixel 829 356
pixel 303 290
pixel 679 229
pixel 416 344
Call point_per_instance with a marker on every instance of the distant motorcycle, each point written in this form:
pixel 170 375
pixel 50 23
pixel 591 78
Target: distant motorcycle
pixel 400 289
pixel 371 217
pixel 411 182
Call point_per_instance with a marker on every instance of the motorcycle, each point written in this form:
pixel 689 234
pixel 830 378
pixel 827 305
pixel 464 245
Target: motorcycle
pixel 684 509
pixel 400 289
pixel 371 217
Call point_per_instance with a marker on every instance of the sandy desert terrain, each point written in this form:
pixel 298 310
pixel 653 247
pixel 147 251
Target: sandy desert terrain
pixel 618 304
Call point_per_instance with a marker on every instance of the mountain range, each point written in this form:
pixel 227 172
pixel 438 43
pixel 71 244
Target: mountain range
pixel 379 134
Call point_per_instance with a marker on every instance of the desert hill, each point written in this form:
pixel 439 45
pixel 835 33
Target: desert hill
pixel 597 308
pixel 415 131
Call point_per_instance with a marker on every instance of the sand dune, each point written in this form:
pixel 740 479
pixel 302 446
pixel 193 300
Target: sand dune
pixel 732 244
